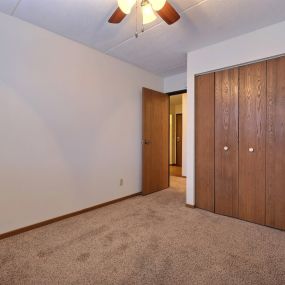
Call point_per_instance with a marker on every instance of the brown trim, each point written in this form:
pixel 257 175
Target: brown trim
pixel 57 219
pixel 190 206
pixel 178 114
pixel 184 176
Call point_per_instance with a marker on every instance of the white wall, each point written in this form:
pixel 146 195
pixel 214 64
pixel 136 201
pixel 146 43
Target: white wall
pixel 175 82
pixel 184 132
pixel 260 44
pixel 70 124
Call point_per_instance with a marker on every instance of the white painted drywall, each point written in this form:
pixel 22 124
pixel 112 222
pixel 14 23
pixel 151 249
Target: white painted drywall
pixel 184 132
pixel 260 44
pixel 175 82
pixel 70 125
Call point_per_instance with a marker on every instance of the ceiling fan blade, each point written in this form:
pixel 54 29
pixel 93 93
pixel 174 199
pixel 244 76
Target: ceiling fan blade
pixel 117 16
pixel 168 14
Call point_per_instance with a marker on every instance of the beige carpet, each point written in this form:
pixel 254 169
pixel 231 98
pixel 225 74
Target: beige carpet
pixel 146 240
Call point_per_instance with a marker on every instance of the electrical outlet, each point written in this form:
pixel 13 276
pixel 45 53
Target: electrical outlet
pixel 121 182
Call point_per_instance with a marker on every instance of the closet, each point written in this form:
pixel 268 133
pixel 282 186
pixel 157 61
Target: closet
pixel 240 142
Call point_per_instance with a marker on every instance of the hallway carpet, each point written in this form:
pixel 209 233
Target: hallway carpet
pixel 146 240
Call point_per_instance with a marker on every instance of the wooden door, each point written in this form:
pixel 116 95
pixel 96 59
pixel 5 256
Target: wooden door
pixel 275 148
pixel 155 141
pixel 252 132
pixel 179 139
pixel 226 142
pixel 204 141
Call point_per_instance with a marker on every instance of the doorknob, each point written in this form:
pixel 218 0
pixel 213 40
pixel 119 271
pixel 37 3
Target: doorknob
pixel 251 149
pixel 226 148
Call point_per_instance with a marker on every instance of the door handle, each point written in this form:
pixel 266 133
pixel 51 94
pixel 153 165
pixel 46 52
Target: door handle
pixel 226 148
pixel 251 149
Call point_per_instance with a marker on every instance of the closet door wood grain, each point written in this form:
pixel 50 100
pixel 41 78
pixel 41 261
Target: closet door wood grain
pixel 252 134
pixel 275 148
pixel 204 141
pixel 226 142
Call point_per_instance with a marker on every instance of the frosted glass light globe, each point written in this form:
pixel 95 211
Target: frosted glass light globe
pixel 157 4
pixel 126 5
pixel 148 14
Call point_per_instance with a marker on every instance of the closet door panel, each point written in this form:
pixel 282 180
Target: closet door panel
pixel 275 148
pixel 252 132
pixel 226 142
pixel 204 141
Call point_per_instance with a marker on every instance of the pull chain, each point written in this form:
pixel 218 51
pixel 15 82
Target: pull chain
pixel 137 34
pixel 142 30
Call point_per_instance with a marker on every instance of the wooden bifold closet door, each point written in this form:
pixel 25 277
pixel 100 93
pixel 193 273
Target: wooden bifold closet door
pixel 240 142
pixel 252 132
pixel 226 142
pixel 275 148
pixel 204 141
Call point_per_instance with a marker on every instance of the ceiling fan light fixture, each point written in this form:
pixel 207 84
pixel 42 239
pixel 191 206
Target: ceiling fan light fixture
pixel 126 5
pixel 157 5
pixel 149 9
pixel 148 14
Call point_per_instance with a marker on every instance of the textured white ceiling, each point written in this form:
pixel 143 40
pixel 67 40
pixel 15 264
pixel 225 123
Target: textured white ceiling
pixel 161 48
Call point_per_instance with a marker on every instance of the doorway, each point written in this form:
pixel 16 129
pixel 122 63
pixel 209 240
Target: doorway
pixel 176 134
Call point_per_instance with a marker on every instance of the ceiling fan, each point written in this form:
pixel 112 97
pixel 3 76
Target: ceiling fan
pixel 149 9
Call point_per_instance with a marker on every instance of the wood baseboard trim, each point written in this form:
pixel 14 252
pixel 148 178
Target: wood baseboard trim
pixel 190 206
pixel 57 219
